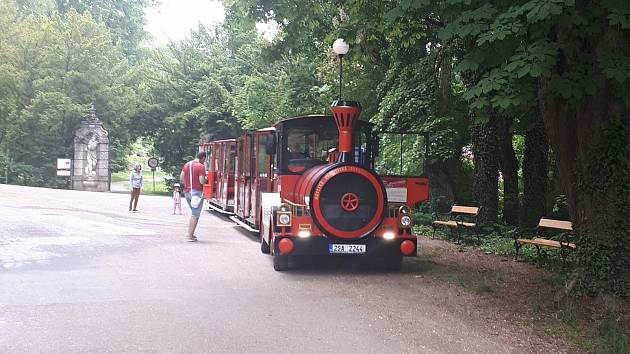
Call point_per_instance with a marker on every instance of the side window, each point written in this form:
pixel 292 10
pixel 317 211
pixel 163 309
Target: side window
pixel 262 156
pixel 209 157
pixel 215 160
pixel 401 154
pixel 251 146
pixel 242 168
pixel 224 164
pixel 232 158
pixel 361 153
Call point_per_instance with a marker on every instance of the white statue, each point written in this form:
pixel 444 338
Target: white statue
pixel 92 158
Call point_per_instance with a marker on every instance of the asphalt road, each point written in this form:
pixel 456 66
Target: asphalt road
pixel 80 274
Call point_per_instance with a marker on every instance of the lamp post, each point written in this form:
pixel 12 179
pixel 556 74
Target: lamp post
pixel 340 47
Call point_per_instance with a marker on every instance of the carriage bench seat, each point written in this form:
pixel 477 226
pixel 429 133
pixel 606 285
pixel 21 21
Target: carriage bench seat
pixel 546 224
pixel 455 220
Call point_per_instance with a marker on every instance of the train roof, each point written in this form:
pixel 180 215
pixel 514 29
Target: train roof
pixel 268 129
pixel 316 116
pixel 219 141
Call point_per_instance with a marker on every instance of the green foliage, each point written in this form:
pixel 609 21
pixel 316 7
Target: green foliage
pixel 605 181
pixel 186 94
pixel 516 51
pixel 53 67
pixel 124 19
pixel 560 59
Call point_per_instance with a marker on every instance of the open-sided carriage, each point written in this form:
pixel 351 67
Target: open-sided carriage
pixel 307 185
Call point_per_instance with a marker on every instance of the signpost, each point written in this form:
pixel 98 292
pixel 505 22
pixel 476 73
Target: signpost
pixel 64 167
pixel 153 163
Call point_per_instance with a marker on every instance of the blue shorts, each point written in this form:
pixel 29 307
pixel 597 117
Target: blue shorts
pixel 195 211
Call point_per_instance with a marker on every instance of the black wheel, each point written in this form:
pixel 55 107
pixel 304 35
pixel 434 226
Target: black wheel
pixel 280 263
pixel 264 246
pixel 393 263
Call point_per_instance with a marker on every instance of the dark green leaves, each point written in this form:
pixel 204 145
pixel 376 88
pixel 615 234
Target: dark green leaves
pixel 618 12
pixel 533 60
pixel 469 23
pixel 541 10
pixel 616 66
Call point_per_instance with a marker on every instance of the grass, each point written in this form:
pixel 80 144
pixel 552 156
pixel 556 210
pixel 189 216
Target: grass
pixel 475 281
pixel 603 334
pixel 160 186
pixel 604 331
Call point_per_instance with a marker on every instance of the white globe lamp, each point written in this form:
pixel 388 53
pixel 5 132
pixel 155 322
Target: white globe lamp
pixel 340 47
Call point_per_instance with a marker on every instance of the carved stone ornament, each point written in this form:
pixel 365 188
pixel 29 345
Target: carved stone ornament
pixel 91 155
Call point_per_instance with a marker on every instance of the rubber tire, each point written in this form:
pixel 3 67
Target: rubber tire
pixel 393 263
pixel 280 263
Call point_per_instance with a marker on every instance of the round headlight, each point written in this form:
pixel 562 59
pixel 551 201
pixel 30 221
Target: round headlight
pixel 284 219
pixel 405 220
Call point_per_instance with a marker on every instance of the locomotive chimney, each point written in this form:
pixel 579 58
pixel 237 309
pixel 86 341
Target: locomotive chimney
pixel 346 114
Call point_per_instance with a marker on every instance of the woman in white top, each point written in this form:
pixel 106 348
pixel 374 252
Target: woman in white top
pixel 135 182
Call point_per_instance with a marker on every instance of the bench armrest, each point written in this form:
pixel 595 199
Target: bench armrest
pixel 565 238
pixel 523 232
pixel 436 216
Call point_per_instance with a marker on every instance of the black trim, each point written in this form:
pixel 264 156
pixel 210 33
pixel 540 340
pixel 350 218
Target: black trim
pixel 344 103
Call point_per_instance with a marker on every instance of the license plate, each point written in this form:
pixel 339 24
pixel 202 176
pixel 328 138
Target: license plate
pixel 345 248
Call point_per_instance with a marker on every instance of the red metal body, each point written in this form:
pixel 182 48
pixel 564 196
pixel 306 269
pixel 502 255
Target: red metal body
pixel 282 182
pixel 220 163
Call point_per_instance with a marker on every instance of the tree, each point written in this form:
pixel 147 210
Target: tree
pixel 124 18
pixel 485 147
pixel 535 167
pixel 53 69
pixel 186 97
pixel 573 58
pixel 508 164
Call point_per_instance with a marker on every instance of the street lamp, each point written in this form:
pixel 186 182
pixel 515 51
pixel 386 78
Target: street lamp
pixel 340 47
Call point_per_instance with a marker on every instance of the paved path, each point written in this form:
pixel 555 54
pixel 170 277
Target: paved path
pixel 80 274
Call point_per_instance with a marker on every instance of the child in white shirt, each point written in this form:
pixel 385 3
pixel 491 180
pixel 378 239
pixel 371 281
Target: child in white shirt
pixel 177 199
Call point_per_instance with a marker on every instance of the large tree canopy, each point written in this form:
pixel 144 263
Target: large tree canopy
pixel 52 69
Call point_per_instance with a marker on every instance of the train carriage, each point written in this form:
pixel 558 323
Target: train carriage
pixel 220 166
pixel 307 185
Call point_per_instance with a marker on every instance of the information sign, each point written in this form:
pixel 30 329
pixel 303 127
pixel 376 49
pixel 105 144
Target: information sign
pixel 153 162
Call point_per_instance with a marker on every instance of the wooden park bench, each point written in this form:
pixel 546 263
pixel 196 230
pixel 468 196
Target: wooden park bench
pixel 563 244
pixel 459 218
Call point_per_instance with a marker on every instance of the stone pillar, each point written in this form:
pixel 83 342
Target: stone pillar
pixel 91 156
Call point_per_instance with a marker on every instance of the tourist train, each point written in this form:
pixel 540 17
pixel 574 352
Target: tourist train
pixel 308 186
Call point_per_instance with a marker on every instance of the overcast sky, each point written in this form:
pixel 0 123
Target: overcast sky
pixel 172 20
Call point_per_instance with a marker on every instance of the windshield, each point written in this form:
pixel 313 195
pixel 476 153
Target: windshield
pixel 307 142
pixel 401 154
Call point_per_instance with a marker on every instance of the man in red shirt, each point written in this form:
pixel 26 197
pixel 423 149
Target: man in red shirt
pixel 193 177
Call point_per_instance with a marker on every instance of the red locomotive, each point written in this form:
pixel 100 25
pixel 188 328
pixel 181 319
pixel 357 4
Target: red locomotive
pixel 308 187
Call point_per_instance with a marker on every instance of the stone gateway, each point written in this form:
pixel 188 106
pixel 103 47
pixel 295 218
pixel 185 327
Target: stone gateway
pixel 91 155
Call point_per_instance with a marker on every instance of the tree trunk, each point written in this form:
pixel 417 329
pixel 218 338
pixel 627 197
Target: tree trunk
pixel 443 172
pixel 535 168
pixel 509 170
pixel 591 144
pixel 486 179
